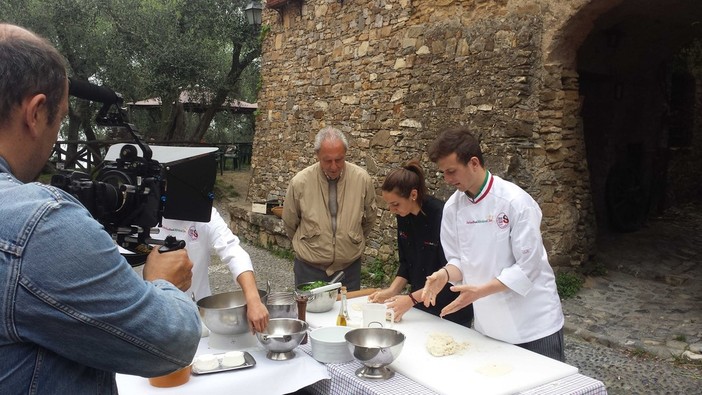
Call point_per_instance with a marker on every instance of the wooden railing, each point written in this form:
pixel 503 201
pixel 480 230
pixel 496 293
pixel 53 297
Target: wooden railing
pixel 86 155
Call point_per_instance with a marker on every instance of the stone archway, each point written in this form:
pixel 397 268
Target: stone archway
pixel 638 114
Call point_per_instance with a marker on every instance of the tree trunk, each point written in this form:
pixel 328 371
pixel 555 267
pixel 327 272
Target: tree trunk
pixel 74 122
pixel 238 65
pixel 169 116
pixel 208 115
pixel 176 129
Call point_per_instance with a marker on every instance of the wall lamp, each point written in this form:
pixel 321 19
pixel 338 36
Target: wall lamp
pixel 253 13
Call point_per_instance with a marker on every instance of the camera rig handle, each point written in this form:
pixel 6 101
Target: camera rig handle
pixel 171 244
pixel 111 113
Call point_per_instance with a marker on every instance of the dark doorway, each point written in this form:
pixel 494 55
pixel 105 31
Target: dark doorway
pixel 641 110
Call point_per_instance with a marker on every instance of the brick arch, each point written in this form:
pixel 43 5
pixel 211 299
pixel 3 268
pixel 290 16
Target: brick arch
pixel 617 55
pixel 575 23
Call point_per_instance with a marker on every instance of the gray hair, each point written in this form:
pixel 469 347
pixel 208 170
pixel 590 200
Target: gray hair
pixel 29 65
pixel 329 134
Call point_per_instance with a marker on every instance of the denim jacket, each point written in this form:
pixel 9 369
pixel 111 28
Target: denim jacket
pixel 72 310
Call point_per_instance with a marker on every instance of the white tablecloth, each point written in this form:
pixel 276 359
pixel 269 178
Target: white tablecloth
pixel 267 377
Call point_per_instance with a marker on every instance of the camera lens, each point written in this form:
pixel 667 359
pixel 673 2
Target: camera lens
pixel 128 152
pixel 112 195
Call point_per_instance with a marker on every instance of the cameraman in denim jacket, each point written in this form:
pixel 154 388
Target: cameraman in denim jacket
pixel 72 310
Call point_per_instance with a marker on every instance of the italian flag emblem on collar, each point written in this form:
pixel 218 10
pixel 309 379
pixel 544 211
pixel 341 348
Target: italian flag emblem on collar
pixel 484 189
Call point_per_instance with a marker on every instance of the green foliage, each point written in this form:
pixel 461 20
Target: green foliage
pixel 224 190
pixel 279 252
pixel 282 253
pixel 680 338
pixel 377 274
pixel 639 352
pixel 594 267
pixel 568 284
pixel 265 29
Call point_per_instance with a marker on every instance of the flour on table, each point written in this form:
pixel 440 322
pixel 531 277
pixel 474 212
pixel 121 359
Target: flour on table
pixel 357 306
pixel 441 344
pixel 494 369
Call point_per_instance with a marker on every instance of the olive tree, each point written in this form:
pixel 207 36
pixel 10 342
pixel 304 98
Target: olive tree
pixel 150 48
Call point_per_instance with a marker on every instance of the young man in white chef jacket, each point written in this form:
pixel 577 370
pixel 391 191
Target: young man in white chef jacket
pixel 491 236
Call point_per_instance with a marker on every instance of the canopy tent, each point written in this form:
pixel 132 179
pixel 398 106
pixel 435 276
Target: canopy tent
pixel 197 103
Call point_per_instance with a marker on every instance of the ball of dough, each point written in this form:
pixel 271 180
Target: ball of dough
pixel 441 344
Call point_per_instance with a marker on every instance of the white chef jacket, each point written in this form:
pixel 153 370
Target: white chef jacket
pixel 201 240
pixel 497 235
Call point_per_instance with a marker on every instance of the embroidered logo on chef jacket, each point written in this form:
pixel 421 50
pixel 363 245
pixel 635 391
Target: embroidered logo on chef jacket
pixel 192 233
pixel 173 230
pixel 480 221
pixel 502 220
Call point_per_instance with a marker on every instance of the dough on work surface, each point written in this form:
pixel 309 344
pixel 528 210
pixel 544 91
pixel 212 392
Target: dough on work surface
pixel 441 344
pixel 494 369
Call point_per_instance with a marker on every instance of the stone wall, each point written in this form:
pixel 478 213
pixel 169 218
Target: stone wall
pixel 393 74
pixel 258 229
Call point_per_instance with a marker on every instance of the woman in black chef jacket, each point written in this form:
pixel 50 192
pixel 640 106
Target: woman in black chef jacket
pixel 419 247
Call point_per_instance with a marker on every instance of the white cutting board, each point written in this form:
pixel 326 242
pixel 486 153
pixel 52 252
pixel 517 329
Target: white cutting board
pixel 487 366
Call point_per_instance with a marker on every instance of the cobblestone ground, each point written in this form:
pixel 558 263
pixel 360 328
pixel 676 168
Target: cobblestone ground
pixel 633 328
pixel 637 327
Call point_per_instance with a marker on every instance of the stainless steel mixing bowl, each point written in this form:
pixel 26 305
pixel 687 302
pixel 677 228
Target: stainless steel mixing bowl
pixel 375 348
pixel 321 302
pixel 225 313
pixel 281 336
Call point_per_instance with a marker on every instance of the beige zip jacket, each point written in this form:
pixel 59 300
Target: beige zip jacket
pixel 308 222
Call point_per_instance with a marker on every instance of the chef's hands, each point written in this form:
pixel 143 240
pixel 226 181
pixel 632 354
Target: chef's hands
pixel 467 295
pixel 434 284
pixel 381 296
pixel 172 266
pixel 256 311
pixel 257 314
pixel 470 293
pixel 400 304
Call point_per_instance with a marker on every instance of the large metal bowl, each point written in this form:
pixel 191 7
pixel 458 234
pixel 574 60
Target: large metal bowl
pixel 225 313
pixel 375 348
pixel 281 336
pixel 321 302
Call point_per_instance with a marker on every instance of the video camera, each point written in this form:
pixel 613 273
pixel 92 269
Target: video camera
pixel 137 185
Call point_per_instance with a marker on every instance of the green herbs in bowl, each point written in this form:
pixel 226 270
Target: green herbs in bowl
pixel 319 302
pixel 312 285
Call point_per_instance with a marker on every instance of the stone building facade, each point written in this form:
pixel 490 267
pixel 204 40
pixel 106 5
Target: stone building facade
pixel 391 74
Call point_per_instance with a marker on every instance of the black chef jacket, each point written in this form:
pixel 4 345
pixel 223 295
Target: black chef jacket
pixel 420 253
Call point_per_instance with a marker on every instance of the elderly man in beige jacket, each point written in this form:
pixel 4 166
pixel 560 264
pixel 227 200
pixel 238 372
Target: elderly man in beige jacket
pixel 329 211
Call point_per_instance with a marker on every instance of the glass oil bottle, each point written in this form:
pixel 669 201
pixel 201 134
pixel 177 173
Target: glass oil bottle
pixel 343 311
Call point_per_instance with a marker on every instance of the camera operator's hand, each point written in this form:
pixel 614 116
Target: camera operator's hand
pixel 173 266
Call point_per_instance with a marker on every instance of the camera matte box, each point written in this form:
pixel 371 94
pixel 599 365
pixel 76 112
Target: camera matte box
pixel 190 174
